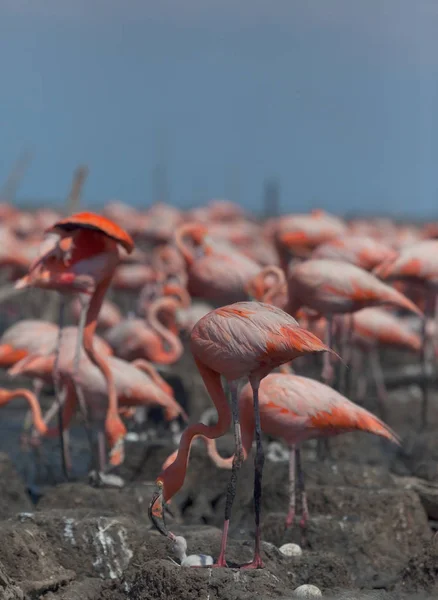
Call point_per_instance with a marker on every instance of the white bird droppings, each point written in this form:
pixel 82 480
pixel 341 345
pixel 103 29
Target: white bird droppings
pixel 307 591
pixel 68 531
pixel 291 550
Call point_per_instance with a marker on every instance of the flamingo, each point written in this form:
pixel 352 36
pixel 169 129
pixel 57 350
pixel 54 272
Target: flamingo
pixel 360 250
pixel 242 340
pixel 83 261
pixel 376 327
pixel 137 384
pixel 330 287
pixel 137 338
pixel 418 264
pixel 296 409
pixel 216 272
pixel 109 314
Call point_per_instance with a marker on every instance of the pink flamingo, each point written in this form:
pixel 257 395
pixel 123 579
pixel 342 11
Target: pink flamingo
pixel 362 251
pixel 83 261
pixel 373 328
pixel 418 264
pixel 244 340
pixel 216 272
pixel 296 409
pixel 331 287
pixel 137 384
pixel 109 314
pixel 137 338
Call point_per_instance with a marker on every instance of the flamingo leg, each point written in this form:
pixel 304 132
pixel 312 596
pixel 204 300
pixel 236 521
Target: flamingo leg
pixel 302 494
pixel 237 463
pixel 327 369
pixel 257 562
pixel 346 351
pixel 379 380
pixel 429 306
pixel 292 496
pixel 57 385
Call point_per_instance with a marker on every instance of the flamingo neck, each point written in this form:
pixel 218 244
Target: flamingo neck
pixel 173 476
pixel 277 286
pixel 6 396
pixel 151 371
pixel 166 336
pixel 181 244
pixel 89 331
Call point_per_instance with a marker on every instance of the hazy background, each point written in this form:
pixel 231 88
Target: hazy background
pixel 336 98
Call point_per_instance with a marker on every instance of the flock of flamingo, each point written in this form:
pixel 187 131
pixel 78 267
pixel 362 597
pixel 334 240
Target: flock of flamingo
pixel 245 298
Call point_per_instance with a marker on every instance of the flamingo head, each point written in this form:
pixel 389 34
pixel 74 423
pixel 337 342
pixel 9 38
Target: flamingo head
pixel 157 507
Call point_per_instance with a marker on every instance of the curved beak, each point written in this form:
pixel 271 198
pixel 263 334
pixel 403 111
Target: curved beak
pixel 156 511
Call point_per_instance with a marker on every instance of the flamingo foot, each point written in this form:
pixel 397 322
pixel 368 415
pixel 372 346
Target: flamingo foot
pixel 290 518
pixel 256 563
pixel 221 563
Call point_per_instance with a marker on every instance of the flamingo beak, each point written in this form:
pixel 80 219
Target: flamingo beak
pixel 156 511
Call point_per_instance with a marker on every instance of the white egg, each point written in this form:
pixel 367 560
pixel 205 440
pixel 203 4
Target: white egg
pixel 197 560
pixel 307 591
pixel 291 550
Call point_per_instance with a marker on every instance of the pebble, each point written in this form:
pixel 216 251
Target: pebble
pixel 291 550
pixel 307 591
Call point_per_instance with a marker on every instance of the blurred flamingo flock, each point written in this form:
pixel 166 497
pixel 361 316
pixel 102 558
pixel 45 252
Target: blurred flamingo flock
pixel 312 313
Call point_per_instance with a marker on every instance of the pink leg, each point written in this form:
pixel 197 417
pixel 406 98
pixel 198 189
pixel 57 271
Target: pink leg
pixel 303 498
pixel 327 369
pixel 292 496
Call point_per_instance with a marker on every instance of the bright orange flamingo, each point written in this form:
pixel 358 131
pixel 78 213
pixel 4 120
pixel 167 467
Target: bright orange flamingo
pixel 243 340
pixel 83 262
pixel 296 409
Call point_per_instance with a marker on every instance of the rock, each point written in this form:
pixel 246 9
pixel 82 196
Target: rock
pixel 90 544
pixel 426 490
pixel 418 456
pixel 87 589
pixel 13 495
pixel 421 572
pixel 30 559
pixel 374 532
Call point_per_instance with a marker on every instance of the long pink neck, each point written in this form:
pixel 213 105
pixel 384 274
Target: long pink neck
pixel 8 395
pixel 278 286
pixel 182 246
pixel 173 476
pixel 166 336
pixel 98 360
pixel 150 370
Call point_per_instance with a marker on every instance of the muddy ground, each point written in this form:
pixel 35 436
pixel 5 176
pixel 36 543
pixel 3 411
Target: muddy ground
pixel 373 514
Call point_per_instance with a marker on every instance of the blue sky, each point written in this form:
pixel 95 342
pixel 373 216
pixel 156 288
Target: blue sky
pixel 337 98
